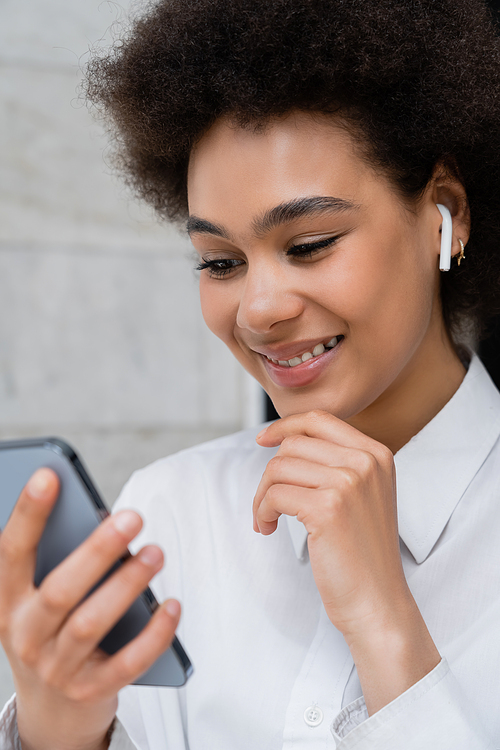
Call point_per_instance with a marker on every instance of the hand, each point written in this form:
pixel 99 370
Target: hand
pixel 341 485
pixel 66 687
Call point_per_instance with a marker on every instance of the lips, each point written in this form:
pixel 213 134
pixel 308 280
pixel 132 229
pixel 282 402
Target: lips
pixel 306 356
pixel 305 371
pixel 286 352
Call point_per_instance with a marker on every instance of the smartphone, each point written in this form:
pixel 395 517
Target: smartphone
pixel 77 512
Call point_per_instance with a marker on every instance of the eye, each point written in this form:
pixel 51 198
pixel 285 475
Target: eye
pixel 219 267
pixel 308 249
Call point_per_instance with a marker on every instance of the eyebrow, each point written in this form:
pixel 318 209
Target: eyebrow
pixel 276 216
pixel 195 225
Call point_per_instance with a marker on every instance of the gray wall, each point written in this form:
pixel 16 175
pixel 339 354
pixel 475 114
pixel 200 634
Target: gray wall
pixel 101 337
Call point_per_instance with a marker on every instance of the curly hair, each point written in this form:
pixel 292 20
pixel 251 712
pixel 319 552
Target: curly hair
pixel 419 78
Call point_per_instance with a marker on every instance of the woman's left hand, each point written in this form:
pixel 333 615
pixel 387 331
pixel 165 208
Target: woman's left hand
pixel 341 485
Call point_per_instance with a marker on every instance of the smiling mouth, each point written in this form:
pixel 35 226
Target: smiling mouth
pixel 318 350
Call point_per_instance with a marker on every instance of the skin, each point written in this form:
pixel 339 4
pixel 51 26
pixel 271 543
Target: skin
pixel 377 286
pixel 66 687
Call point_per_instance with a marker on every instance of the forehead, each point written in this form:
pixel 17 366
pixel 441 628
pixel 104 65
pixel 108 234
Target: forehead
pixel 235 170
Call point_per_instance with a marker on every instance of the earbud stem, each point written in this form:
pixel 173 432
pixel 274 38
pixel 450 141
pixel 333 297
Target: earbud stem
pixel 446 238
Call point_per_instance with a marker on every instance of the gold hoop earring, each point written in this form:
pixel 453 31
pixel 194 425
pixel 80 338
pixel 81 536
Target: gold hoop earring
pixel 461 254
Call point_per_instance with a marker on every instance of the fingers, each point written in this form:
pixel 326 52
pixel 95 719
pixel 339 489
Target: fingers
pixel 48 632
pixel 282 499
pixel 20 537
pixel 71 581
pixel 313 464
pixel 321 439
pixel 295 487
pixel 94 618
pixel 286 470
pixel 318 424
pixel 317 451
pixel 322 425
pixel 317 509
pixel 138 655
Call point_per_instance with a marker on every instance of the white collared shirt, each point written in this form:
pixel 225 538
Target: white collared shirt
pixel 271 671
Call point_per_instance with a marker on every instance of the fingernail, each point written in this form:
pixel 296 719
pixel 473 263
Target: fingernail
pixel 261 433
pixel 127 522
pixel 173 608
pixel 152 556
pixel 39 484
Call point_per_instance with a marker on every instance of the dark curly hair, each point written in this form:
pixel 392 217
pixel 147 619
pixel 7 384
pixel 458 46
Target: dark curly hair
pixel 420 79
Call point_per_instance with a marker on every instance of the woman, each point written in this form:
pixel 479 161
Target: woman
pixel 327 157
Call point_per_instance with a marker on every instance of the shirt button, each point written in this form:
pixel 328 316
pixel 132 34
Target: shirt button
pixel 313 716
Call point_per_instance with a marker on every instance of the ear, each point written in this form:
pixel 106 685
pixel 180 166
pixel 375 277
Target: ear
pixel 446 188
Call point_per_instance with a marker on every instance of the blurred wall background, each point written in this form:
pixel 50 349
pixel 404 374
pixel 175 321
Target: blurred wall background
pixel 101 336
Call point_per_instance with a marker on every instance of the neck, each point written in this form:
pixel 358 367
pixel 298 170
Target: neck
pixel 420 391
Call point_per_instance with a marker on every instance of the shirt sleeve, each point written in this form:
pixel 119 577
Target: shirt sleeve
pixel 9 737
pixel 433 713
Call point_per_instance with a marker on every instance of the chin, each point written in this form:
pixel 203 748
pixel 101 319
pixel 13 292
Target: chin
pixel 302 404
pixel 343 403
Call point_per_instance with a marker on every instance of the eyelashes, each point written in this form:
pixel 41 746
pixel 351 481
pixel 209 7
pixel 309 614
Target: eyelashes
pixel 308 249
pixel 220 267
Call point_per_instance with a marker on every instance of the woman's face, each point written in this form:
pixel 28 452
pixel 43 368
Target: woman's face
pixel 311 256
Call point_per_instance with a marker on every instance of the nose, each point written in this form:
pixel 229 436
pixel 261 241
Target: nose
pixel 267 298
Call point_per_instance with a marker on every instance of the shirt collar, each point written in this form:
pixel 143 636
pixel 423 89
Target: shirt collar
pixel 434 469
pixel 436 466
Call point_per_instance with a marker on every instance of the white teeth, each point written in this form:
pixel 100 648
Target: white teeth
pixel 318 349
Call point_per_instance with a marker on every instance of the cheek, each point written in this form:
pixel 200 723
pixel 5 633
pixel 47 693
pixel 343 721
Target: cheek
pixel 219 308
pixel 383 294
pixel 401 296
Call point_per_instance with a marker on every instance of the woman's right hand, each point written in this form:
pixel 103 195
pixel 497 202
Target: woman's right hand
pixel 66 686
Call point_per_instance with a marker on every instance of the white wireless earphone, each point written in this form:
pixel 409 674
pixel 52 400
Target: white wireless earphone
pixel 446 237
